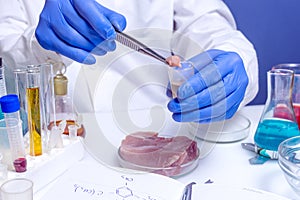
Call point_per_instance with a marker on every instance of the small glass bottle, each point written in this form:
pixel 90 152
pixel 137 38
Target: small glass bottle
pixel 63 103
pixel 64 108
pixel 278 121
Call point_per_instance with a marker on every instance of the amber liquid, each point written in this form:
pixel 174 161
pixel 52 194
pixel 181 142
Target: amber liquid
pixel 34 121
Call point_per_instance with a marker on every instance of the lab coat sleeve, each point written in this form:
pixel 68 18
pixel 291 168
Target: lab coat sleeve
pixel 18 45
pixel 210 24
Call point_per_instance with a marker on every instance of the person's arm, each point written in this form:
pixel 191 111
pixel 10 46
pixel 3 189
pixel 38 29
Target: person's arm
pixel 201 25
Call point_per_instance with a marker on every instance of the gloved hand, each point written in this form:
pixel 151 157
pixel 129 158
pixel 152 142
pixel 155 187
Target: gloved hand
pixel 77 29
pixel 216 90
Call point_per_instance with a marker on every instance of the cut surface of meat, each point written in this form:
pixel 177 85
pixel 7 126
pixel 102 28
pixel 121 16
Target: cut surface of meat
pixel 150 150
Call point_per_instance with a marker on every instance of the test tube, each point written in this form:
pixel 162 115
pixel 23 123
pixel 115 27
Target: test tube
pixel 10 106
pixel 20 87
pixel 178 75
pixel 33 110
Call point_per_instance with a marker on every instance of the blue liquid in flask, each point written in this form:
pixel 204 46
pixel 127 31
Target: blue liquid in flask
pixel 271 132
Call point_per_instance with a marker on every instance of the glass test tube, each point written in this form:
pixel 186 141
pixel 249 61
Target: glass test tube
pixel 46 100
pixel 33 110
pixel 20 84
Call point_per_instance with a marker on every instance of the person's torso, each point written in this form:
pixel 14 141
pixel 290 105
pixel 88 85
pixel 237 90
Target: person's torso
pixel 126 79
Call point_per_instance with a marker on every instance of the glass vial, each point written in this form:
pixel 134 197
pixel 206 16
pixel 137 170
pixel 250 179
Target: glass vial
pixel 33 111
pixel 63 103
pixel 64 108
pixel 278 121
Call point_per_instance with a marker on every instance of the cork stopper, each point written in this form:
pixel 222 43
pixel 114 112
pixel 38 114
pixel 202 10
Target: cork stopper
pixel 60 84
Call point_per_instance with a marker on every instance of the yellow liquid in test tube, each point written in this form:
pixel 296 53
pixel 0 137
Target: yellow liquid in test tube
pixel 34 121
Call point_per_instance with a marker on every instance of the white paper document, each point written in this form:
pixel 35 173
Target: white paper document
pixel 94 181
pixel 97 182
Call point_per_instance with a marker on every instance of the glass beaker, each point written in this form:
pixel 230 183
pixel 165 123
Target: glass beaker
pixel 17 189
pixel 278 121
pixel 295 67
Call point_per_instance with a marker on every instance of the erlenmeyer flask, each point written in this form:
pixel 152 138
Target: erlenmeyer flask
pixel 278 121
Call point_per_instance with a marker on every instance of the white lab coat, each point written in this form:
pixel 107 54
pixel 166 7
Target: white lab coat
pixel 125 79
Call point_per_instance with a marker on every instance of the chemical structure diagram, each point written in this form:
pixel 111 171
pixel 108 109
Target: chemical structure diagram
pixel 122 192
pixel 125 193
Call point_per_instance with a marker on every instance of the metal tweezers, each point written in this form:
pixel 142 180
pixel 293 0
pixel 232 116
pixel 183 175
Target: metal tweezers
pixel 138 46
pixel 187 192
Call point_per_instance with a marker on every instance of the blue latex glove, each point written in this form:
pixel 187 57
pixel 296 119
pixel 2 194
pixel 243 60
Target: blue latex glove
pixel 77 29
pixel 216 90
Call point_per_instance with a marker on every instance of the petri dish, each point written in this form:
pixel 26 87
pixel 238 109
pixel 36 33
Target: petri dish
pixel 232 130
pixel 173 172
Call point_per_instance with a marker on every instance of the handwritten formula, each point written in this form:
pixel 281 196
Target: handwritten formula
pixel 101 192
pixel 99 182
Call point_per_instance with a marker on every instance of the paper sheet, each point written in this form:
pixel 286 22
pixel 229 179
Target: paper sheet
pixel 90 181
pixel 94 181
pixel 216 192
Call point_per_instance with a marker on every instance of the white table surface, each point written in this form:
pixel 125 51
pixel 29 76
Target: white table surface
pixel 226 164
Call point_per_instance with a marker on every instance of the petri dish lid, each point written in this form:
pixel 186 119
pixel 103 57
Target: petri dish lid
pixel 232 130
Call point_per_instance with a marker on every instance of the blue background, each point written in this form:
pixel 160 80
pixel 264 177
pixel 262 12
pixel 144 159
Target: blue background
pixel 273 26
